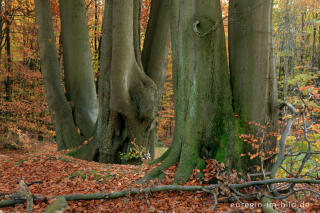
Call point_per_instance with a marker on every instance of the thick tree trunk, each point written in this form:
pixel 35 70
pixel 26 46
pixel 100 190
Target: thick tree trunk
pixel 252 71
pixel 79 80
pixel 67 136
pixel 128 87
pixel 204 116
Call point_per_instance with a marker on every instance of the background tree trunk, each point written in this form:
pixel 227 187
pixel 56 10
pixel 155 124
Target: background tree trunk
pixel 77 60
pixel 8 55
pixel 1 24
pixel 253 77
pixel 66 133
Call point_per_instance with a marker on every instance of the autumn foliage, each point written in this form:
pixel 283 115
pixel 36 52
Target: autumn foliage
pixel 26 131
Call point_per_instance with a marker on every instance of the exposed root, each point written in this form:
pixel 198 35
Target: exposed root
pixel 185 169
pixel 157 172
pixel 85 152
pixel 161 158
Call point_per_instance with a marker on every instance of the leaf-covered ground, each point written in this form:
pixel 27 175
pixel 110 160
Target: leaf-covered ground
pixel 59 174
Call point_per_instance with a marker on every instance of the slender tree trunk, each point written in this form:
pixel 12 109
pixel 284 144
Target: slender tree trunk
pixel 155 51
pixel 285 78
pixel 314 54
pixel 253 77
pixel 319 48
pixel 204 117
pixel 8 64
pixel 67 136
pixel 303 14
pixel 1 24
pixel 77 60
pixel 96 26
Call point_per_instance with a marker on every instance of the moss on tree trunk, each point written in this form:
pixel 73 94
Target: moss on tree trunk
pixel 252 71
pixel 204 116
pixel 206 126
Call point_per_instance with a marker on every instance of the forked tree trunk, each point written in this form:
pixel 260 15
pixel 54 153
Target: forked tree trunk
pixel 253 77
pixel 77 61
pixel 66 133
pixel 204 116
pixel 129 87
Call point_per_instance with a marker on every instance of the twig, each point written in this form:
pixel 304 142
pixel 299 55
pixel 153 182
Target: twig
pixel 34 182
pixel 214 196
pixel 272 181
pixel 305 132
pixel 291 193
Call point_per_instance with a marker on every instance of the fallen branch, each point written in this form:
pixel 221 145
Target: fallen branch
pixel 272 181
pixel 18 199
pixel 161 188
pixel 127 192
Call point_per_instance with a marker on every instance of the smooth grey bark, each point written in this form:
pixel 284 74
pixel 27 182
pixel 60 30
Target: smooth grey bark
pixel 204 117
pixel 128 93
pixel 156 45
pixel 66 132
pixel 253 77
pixel 77 61
pixel 155 51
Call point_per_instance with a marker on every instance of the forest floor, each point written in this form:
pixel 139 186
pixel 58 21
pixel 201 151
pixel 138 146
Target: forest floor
pixel 57 174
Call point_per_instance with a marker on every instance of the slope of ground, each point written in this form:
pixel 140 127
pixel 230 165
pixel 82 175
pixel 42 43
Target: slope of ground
pixel 56 174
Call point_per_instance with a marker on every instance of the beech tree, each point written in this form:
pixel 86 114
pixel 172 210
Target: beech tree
pixel 61 112
pixel 77 61
pixel 79 83
pixel 130 83
pixel 253 77
pixel 205 96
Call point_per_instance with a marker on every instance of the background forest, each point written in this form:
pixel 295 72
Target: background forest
pixel 25 119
